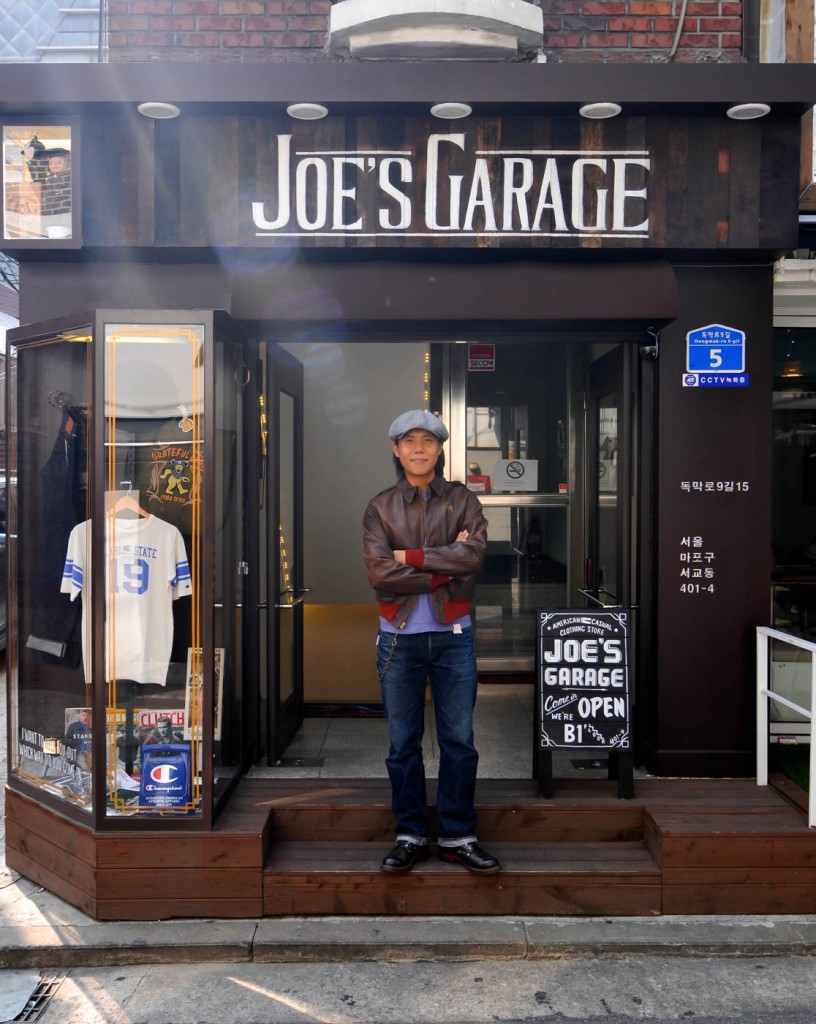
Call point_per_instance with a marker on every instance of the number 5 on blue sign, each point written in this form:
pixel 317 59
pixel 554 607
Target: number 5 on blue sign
pixel 716 349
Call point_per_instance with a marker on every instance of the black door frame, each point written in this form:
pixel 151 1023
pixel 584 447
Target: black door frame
pixel 612 373
pixel 284 713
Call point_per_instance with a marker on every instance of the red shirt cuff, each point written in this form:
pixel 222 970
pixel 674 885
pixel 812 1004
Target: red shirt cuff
pixel 438 578
pixel 415 557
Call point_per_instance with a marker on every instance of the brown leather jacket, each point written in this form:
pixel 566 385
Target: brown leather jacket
pixel 436 564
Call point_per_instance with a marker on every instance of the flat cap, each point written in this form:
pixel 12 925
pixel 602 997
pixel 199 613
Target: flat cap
pixel 417 419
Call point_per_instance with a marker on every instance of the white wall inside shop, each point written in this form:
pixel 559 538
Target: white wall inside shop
pixel 352 392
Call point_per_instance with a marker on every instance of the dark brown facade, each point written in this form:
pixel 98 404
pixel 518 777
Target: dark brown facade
pixel 233 181
pixel 524 219
pixel 688 187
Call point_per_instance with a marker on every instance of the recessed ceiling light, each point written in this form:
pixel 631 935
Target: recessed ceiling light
pixel 599 111
pixel 451 111
pixel 159 111
pixel 307 111
pixel 748 111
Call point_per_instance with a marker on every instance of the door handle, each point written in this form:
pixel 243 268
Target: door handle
pixel 302 592
pixel 599 601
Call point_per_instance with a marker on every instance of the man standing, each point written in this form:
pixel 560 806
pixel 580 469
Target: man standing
pixel 425 541
pixel 78 736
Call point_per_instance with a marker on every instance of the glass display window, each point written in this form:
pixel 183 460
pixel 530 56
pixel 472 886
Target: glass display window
pixel 125 629
pixel 154 466
pixel 793 585
pixel 40 193
pixel 794 461
pixel 50 424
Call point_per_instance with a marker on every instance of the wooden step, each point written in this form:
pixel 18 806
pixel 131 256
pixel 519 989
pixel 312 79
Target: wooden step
pixel 542 824
pixel 561 878
pixel 733 860
pixel 361 812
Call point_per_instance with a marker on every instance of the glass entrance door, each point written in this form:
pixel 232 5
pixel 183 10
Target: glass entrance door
pixel 608 481
pixel 508 410
pixel 542 431
pixel 282 590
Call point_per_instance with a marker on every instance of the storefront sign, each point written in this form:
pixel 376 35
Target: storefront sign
pixel 583 679
pixel 449 185
pixel 397 179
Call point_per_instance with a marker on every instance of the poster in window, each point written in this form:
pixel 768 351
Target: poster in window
pixel 38 197
pixel 193 705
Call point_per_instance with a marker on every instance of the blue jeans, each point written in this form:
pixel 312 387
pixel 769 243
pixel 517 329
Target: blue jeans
pixel 448 660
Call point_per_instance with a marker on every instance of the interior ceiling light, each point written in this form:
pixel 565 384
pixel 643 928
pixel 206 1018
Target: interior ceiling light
pixel 307 111
pixel 451 111
pixel 599 111
pixel 159 111
pixel 748 111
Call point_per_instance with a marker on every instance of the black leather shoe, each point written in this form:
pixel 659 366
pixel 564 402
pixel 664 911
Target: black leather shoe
pixel 404 855
pixel 472 857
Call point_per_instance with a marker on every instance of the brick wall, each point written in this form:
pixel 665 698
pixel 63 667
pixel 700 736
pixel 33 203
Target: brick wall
pixel 296 30
pixel 642 30
pixel 217 30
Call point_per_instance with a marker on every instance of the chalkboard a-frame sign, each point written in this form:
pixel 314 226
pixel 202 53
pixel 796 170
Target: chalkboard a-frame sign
pixel 582 699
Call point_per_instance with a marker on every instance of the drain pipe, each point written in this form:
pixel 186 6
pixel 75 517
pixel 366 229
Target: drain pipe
pixel 101 49
pixel 681 20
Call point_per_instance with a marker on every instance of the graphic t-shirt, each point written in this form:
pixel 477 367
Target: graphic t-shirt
pixel 146 570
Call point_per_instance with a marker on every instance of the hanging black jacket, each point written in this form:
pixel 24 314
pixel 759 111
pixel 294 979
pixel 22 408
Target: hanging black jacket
pixel 56 636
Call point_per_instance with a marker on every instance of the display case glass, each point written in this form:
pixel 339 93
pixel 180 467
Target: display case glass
pixel 50 424
pixel 125 508
pixel 154 469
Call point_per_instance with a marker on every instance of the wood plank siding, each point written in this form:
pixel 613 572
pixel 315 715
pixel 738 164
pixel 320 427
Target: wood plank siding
pixel 300 847
pixel 362 182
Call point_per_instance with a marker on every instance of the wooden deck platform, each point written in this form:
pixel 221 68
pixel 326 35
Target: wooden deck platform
pixel 313 847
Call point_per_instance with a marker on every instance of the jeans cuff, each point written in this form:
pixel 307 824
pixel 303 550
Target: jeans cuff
pixel 451 844
pixel 404 837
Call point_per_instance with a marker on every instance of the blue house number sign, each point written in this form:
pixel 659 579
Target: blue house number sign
pixel 715 357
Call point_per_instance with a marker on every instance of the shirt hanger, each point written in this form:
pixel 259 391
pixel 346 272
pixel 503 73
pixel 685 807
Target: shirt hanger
pixel 127 503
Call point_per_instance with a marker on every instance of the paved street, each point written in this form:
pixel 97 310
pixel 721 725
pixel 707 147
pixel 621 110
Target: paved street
pixel 646 989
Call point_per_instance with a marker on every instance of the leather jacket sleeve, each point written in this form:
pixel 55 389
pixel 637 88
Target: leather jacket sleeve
pixel 435 558
pixel 461 559
pixel 386 575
